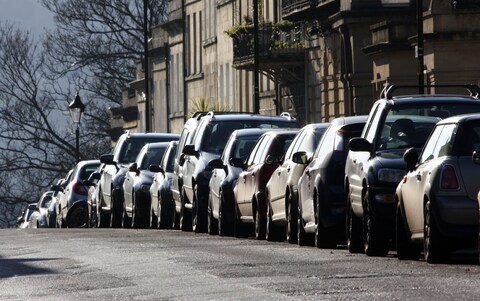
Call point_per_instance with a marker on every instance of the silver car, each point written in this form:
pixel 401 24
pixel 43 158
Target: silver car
pixel 437 199
pixel 76 191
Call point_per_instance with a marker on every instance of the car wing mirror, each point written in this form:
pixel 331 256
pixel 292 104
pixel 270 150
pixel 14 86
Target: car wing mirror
pixel 133 167
pixel 181 160
pixel 300 158
pixel 56 188
pixel 216 164
pixel 107 159
pixel 358 144
pixel 189 150
pixel 411 158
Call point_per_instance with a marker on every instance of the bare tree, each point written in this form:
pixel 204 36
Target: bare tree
pixel 100 40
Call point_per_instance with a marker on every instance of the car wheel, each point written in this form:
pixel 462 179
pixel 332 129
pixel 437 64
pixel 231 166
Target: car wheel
pixel 303 238
pixel 185 218
pixel 225 228
pixel 374 234
pixel 353 231
pixel 405 249
pixel 137 221
pixel 212 223
pixel 116 213
pixel 239 229
pixel 272 232
pixel 199 214
pixel 153 218
pixel 260 222
pixel 433 248
pixel 292 220
pixel 324 238
pixel 126 220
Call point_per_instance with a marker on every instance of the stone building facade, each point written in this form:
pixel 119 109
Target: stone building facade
pixel 334 62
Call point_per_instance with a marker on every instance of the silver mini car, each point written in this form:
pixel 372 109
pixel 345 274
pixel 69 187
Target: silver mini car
pixel 437 200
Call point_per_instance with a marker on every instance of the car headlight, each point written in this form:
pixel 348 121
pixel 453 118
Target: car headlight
pixel 391 175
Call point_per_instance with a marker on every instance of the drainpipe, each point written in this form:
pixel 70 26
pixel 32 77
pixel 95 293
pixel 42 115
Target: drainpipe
pixel 184 58
pixel 348 68
pixel 167 83
pixel 145 66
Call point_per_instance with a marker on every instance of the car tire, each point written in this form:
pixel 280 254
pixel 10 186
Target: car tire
pixel 433 248
pixel 324 238
pixel 292 219
pixel 273 233
pixel 405 249
pixel 199 214
pixel 212 223
pixel 116 213
pixel 260 222
pixel 153 219
pixel 166 217
pixel 185 221
pixel 374 233
pixel 353 231
pixel 225 228
pixel 303 238
pixel 126 220
pixel 239 229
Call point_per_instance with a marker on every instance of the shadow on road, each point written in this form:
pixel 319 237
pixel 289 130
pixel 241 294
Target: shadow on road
pixel 23 267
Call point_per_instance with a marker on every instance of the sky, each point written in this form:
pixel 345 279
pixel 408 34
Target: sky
pixel 27 14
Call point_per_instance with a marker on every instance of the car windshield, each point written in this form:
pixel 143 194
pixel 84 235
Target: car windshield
pixel 153 156
pixel 217 134
pixel 407 127
pixel 132 147
pixel 45 202
pixel 87 171
pixel 243 147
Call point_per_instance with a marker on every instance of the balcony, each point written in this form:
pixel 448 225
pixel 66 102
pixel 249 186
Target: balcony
pixel 307 10
pixel 281 50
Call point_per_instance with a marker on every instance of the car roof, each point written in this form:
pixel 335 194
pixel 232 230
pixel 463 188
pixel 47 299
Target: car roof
pixel 473 117
pixel 157 145
pixel 249 132
pixel 150 135
pixel 247 116
pixel 281 132
pixel 428 99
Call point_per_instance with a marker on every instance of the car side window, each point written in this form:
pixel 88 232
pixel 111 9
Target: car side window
pixel 295 144
pixel 254 151
pixel 439 138
pixel 262 150
pixel 320 147
pixel 307 144
pixel 183 138
pixel 373 127
pixel 445 141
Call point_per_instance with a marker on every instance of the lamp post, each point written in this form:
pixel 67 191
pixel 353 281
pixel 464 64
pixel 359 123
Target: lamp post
pixel 76 108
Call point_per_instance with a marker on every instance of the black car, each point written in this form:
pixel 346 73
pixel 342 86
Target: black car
pixel 162 212
pixel 321 196
pixel 221 211
pixel 115 166
pixel 375 165
pixel 136 187
pixel 208 143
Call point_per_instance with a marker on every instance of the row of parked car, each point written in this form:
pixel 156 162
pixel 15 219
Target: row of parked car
pixel 401 177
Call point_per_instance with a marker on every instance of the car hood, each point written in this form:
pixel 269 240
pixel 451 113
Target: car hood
pixel 391 159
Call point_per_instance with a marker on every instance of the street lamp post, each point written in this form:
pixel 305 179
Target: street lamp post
pixel 76 108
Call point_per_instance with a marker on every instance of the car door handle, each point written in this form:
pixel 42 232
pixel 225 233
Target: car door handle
pixel 279 172
pixel 307 172
pixel 288 169
pixel 253 174
pixel 419 177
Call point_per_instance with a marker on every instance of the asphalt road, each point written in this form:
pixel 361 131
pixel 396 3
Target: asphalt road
pixel 118 264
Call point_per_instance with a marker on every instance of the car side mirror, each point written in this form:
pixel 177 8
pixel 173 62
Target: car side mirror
pixel 133 167
pixel 155 168
pixel 272 159
pixel 107 159
pixel 300 158
pixel 189 150
pixel 181 160
pixel 476 157
pixel 237 162
pixel 411 158
pixel 216 164
pixel 358 144
pixel 56 188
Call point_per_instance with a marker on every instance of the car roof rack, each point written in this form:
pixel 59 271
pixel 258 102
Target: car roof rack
pixel 388 90
pixel 287 115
